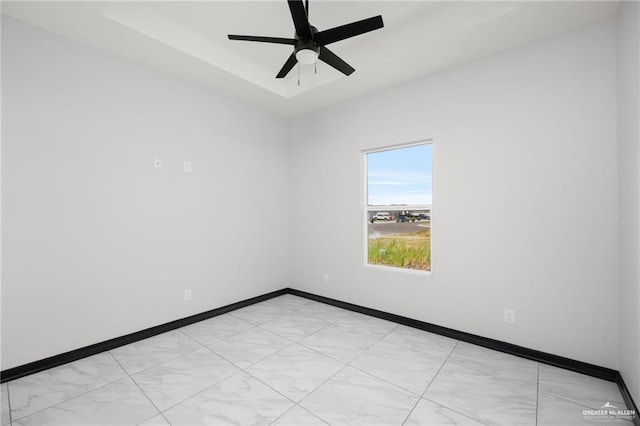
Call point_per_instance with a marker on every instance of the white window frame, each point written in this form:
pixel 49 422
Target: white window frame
pixel 366 209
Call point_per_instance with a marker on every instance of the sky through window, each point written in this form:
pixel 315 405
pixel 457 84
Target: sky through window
pixel 400 176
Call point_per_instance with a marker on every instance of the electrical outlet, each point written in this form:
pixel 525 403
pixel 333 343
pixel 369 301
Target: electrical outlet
pixel 187 295
pixel 187 166
pixel 325 279
pixel 509 316
pixel 157 162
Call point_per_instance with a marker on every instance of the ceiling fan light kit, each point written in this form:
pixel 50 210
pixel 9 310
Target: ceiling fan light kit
pixel 306 56
pixel 309 44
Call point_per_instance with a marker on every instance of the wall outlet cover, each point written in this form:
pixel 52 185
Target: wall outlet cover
pixel 509 316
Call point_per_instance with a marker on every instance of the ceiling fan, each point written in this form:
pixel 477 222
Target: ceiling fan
pixel 309 44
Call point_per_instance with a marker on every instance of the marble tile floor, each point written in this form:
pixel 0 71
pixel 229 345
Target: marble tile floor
pixel 293 361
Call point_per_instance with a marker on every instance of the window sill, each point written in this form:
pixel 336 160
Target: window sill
pixel 399 270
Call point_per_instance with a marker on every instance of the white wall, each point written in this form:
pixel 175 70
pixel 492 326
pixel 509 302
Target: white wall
pixel 629 192
pixel 525 196
pixel 96 242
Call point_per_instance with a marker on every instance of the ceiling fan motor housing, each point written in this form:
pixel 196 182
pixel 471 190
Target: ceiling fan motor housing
pixel 307 44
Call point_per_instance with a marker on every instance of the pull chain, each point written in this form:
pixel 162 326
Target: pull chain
pixel 298 74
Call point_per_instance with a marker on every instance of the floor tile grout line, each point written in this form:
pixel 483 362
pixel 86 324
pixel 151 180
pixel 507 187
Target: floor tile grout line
pixel 477 370
pixel 240 370
pixel 203 390
pixel 161 412
pixel 491 374
pixel 271 387
pixel 307 335
pixel 370 346
pixel 319 309
pixel 215 318
pixel 313 414
pixel 564 398
pixel 484 373
pixel 192 338
pixel 481 422
pixel 271 303
pixel 280 335
pixel 288 338
pixel 373 375
pixel 348 364
pixel 141 390
pixel 408 347
pixel 281 350
pixel 156 365
pixel 334 358
pixel 9 404
pixel 429 384
pixel 472 369
pixel 290 343
pixel 434 378
pixel 299 338
pixel 302 346
pixel 110 351
pixel 537 392
pixel 283 414
pixel 199 392
pixel 253 307
pixel 235 333
pixel 71 398
pixel 336 325
pixel 385 380
pixel 319 386
pixel 261 381
pixel 345 365
pixel 574 402
pixel 440 369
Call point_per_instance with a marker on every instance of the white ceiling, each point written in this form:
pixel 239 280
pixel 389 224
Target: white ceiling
pixel 189 40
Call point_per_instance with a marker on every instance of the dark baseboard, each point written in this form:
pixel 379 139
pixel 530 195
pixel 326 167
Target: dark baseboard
pixel 74 355
pixel 628 400
pixel 532 354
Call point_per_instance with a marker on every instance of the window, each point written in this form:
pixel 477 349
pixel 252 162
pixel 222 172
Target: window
pixel 398 206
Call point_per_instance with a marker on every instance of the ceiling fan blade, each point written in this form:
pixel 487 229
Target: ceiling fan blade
pixel 277 40
pixel 300 20
pixel 349 30
pixel 291 62
pixel 332 59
